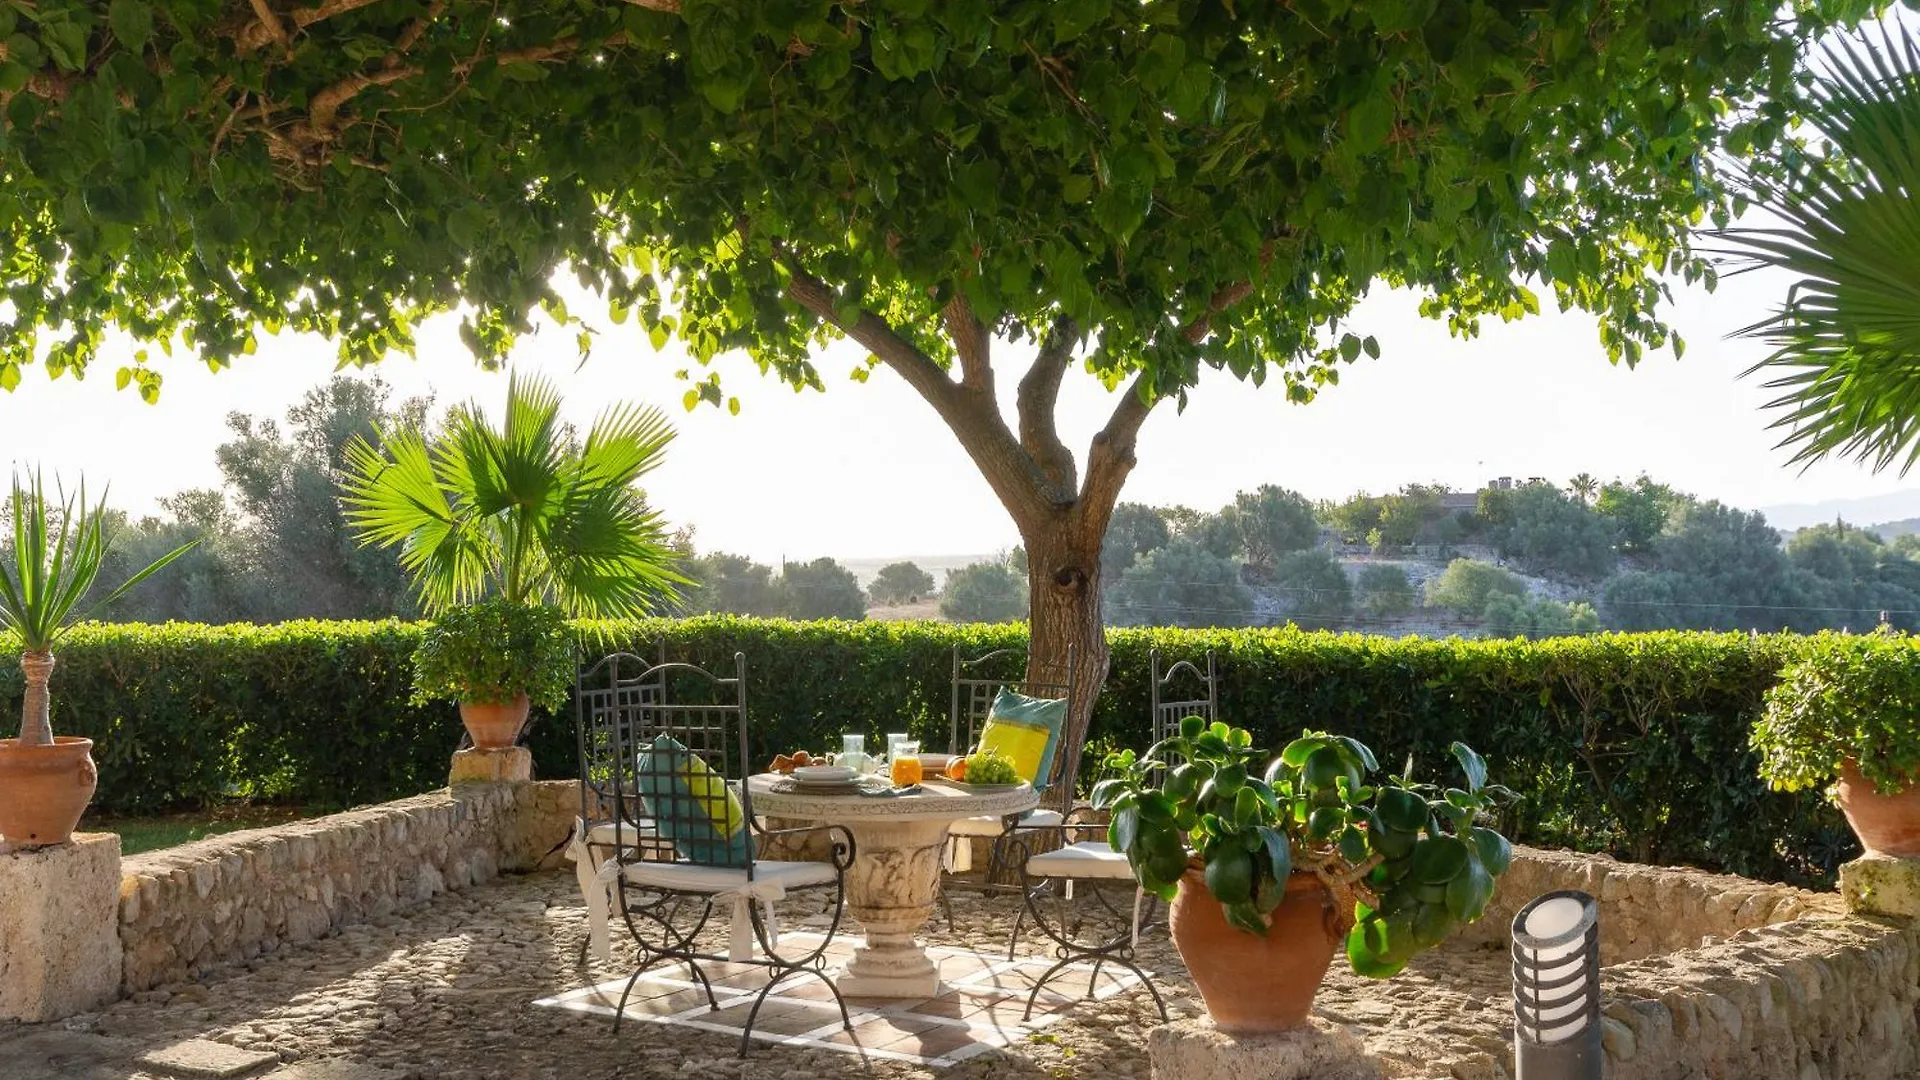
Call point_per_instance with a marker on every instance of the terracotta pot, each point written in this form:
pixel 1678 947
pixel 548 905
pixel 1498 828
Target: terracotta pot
pixel 494 725
pixel 44 790
pixel 1885 824
pixel 1253 984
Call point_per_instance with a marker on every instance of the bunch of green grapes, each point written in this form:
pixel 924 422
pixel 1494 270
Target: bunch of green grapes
pixel 991 767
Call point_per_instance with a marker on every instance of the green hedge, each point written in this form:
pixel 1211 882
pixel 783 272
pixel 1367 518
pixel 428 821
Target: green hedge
pixel 1634 744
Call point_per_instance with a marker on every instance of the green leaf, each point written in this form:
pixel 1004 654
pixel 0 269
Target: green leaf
pixel 1124 830
pixel 1495 852
pixel 131 22
pixel 523 71
pixel 1472 764
pixel 1188 95
pixel 1468 892
pixel 1279 852
pixel 1437 860
pixel 1370 122
pixel 1229 876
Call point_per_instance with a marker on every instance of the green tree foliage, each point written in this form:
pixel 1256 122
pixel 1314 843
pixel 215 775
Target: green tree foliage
pixel 1846 344
pixel 1179 188
pixel 1549 531
pixel 1217 534
pixel 1355 518
pixel 1273 521
pixel 209 583
pixel 728 584
pixel 1383 589
pixel 520 510
pixel 821 589
pixel 983 592
pixel 1181 584
pixel 1639 510
pixel 1312 588
pixel 900 583
pixel 298 553
pixel 1466 585
pixel 1717 568
pixel 1135 529
pixel 1585 487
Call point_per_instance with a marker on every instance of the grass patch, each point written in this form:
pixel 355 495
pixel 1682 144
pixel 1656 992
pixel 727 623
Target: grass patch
pixel 155 831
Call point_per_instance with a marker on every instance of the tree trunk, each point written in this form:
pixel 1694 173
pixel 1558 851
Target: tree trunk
pixel 1063 572
pixel 35 728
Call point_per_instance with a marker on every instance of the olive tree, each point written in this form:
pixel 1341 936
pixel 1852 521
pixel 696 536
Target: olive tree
pixel 1136 192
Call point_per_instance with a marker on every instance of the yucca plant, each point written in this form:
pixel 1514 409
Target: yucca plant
pixel 1847 339
pixel 58 547
pixel 521 512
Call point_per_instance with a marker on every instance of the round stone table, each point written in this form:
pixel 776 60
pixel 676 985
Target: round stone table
pixel 894 882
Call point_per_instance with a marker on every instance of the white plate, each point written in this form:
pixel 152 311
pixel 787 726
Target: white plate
pixel 824 774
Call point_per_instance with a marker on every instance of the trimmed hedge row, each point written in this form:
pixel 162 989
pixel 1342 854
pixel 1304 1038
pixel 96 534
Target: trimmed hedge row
pixel 1634 744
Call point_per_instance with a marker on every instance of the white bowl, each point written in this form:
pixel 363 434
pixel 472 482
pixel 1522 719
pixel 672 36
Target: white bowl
pixel 824 774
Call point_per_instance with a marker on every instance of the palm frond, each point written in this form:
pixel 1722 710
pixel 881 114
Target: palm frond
pixel 1846 341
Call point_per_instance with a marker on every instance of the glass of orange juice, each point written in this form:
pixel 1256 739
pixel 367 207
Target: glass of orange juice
pixel 906 764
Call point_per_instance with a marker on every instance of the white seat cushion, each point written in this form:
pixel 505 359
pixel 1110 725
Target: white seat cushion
pixel 602 833
pixel 1086 859
pixel 687 877
pixel 991 825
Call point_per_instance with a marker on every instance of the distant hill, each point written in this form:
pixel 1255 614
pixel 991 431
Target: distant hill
pixel 1890 529
pixel 1894 508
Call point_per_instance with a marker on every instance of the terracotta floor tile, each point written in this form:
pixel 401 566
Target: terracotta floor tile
pixel 776 1017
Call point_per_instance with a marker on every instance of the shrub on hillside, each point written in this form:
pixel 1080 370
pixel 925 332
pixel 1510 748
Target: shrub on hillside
pixel 1383 589
pixel 1180 585
pixel 984 592
pixel 1466 585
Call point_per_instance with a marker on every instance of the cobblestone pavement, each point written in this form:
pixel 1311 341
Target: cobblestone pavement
pixel 444 992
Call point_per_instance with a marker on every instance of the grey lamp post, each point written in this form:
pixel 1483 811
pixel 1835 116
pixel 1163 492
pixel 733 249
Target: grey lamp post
pixel 1556 988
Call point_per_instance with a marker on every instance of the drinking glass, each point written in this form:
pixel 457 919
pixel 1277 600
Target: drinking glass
pixel 853 753
pixel 906 763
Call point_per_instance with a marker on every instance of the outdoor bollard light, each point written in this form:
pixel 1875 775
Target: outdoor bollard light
pixel 1556 988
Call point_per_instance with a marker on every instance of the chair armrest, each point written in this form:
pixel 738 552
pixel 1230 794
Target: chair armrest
pixel 843 846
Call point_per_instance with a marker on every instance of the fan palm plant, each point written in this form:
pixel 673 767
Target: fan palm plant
pixel 521 512
pixel 58 547
pixel 1847 339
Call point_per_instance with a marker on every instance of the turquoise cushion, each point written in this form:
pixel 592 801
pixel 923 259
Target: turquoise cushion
pixel 692 805
pixel 1041 715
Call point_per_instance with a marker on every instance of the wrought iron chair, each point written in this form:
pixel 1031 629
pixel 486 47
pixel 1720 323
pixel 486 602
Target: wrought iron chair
pixel 976 683
pixel 606 747
pixel 1084 855
pixel 688 743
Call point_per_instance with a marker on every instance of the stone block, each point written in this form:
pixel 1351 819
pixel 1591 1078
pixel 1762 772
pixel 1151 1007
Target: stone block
pixel 1882 885
pixel 60 928
pixel 1197 1050
pixel 204 1059
pixel 511 765
pixel 52 1054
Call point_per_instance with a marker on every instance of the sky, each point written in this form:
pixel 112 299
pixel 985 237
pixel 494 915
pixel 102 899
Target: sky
pixel 864 471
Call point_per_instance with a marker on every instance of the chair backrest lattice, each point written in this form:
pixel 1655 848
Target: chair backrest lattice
pixel 977 682
pixel 702 711
pixel 1180 691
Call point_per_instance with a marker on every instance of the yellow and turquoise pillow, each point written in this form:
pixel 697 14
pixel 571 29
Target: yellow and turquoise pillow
pixel 1027 730
pixel 692 805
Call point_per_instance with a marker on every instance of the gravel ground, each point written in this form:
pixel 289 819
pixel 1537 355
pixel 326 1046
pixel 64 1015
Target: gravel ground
pixel 444 992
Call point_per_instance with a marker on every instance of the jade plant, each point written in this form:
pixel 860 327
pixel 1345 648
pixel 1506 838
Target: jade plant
pixel 1406 862
pixel 1848 697
pixel 492 652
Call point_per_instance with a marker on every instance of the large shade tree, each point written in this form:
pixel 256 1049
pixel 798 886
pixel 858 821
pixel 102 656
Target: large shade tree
pixel 1143 192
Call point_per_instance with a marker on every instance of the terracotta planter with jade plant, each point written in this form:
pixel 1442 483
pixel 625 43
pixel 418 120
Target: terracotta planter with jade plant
pixel 1274 863
pixel 46 781
pixel 1847 714
pixel 496 659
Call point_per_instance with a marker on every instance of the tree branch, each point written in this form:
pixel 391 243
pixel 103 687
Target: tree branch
pixel 1111 458
pixel 972 342
pixel 276 31
pixel 413 33
pixel 974 419
pixel 323 112
pixel 1197 330
pixel 1038 394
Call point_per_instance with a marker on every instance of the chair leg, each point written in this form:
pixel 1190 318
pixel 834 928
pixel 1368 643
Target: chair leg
pixel 946 905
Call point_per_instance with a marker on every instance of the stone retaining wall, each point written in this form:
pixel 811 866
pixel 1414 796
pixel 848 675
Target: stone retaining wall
pixel 1646 910
pixel 234 896
pixel 1710 975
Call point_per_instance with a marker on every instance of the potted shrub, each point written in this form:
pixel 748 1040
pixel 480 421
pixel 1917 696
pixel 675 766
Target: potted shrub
pixel 1272 865
pixel 496 523
pixel 46 781
pixel 496 658
pixel 1847 714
